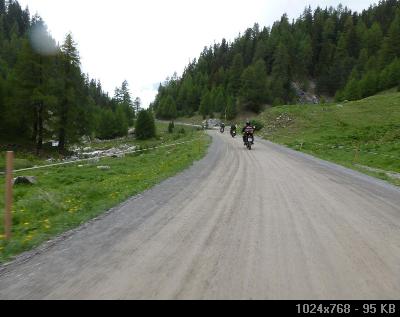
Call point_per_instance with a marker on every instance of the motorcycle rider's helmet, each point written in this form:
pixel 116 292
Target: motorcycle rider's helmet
pixel 248 122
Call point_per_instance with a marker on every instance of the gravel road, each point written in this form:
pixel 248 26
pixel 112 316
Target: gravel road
pixel 264 224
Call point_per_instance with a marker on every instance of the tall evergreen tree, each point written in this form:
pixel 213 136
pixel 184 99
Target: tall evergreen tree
pixel 235 74
pixel 123 99
pixel 145 126
pixel 393 39
pixel 231 109
pixel 253 91
pixel 137 105
pixel 205 104
pixel 374 38
pixel 70 63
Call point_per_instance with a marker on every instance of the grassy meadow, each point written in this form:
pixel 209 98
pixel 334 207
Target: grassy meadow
pixel 363 135
pixel 70 195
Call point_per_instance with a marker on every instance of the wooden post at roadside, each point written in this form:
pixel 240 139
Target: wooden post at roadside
pixel 9 195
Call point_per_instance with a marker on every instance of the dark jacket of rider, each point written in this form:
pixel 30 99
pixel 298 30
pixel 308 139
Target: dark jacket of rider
pixel 248 130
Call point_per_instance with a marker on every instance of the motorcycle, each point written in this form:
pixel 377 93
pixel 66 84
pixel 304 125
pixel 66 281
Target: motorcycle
pixel 249 141
pixel 222 130
pixel 233 133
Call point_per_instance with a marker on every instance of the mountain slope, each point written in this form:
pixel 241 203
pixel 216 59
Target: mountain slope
pixel 363 134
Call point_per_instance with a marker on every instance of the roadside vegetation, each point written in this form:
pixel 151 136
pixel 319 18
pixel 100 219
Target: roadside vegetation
pixel 68 196
pixel 363 135
pixel 44 94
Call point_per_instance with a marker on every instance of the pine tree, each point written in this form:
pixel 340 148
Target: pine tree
pixel 369 84
pixel 137 105
pixel 261 50
pixel 170 106
pixel 280 84
pixel 231 109
pixel 106 124
pixel 42 90
pixel 205 104
pixel 33 72
pixel 324 46
pixel 302 57
pixel 145 125
pixel 122 98
pixel 390 75
pixel 253 93
pixel 219 100
pixel 374 39
pixel 352 90
pixel 70 67
pixel 235 74
pixel 121 121
pixel 340 69
pixel 394 38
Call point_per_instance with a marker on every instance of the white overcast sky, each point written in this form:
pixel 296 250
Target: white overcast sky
pixel 145 41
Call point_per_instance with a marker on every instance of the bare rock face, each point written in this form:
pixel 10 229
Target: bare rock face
pixel 305 97
pixel 29 180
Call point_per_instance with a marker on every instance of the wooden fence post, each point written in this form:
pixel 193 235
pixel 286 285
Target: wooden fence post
pixel 9 195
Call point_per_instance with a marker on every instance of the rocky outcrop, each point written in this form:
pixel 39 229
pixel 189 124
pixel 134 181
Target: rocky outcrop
pixel 27 180
pixel 305 97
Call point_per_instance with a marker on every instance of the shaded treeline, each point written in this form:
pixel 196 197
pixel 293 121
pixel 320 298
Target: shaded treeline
pixel 43 93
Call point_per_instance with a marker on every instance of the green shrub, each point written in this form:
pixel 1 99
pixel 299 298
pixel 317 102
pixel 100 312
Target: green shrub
pixel 145 126
pixel 258 124
pixel 182 131
pixel 277 102
pixel 171 127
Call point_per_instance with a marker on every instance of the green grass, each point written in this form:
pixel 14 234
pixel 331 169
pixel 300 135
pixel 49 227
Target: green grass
pixel 25 157
pixel 365 132
pixel 68 196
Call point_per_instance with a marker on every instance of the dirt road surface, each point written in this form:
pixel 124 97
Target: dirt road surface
pixel 264 224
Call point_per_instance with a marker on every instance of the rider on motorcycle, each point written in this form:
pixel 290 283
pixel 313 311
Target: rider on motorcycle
pixel 233 128
pixel 248 130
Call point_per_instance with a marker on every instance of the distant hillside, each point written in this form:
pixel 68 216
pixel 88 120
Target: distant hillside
pixel 362 134
pixel 334 51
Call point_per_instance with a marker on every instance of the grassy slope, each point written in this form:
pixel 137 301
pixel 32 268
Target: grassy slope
pixel 25 157
pixel 365 132
pixel 68 196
